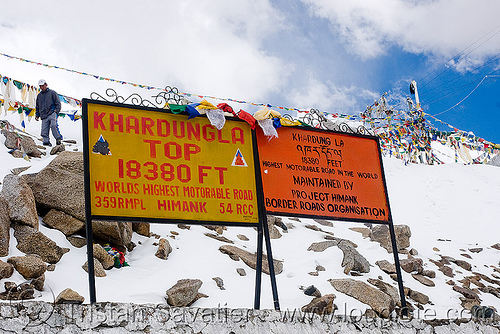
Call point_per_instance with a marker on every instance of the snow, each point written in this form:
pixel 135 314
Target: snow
pixel 451 207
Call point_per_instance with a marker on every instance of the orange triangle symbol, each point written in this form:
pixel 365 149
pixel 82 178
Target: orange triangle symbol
pixel 239 160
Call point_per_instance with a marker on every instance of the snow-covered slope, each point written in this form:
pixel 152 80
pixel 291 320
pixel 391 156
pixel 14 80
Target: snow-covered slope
pixel 449 208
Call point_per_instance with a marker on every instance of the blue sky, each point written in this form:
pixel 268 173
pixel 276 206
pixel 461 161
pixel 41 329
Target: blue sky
pixel 337 56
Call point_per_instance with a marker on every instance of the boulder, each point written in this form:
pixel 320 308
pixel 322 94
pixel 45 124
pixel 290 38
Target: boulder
pixel 273 231
pixel 68 296
pixel 116 233
pixel 312 291
pixel 379 301
pixel 4 227
pixel 386 266
pixel 321 305
pixel 29 266
pixel 353 260
pixel 14 292
pixel 164 249
pixel 77 241
pixel 467 293
pixel 365 231
pixel 98 268
pixel 322 245
pixel 412 265
pixel 380 233
pixel 25 143
pixel 324 222
pixel 251 259
pixel 57 149
pixel 60 185
pixel 219 237
pixel 6 269
pixel 416 296
pixel 184 292
pixel 424 280
pixel 107 260
pixel 39 243
pixel 143 229
pixel 388 289
pixel 63 222
pixel 38 282
pixel 22 206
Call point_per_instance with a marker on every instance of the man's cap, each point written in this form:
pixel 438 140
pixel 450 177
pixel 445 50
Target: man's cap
pixel 42 82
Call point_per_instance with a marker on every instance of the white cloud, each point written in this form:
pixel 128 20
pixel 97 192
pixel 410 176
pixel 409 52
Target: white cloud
pixel 438 28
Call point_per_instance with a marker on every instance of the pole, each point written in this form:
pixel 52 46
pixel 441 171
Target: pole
pixel 271 265
pixel 398 268
pixel 258 269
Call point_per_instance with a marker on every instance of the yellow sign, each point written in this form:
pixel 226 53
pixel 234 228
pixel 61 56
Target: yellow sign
pixel 157 165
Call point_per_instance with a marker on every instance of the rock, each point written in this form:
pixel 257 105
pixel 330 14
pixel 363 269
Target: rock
pixel 416 296
pixel 51 267
pixel 38 282
pixel 50 186
pixel 365 231
pixel 379 301
pixel 475 250
pixel 495 161
pixel 57 149
pixel 77 241
pixel 19 170
pixel 380 233
pixel 183 226
pixel 242 237
pixel 251 259
pixel 241 271
pixel 463 264
pixel 312 291
pixel 467 293
pixel 39 243
pixel 219 238
pixel 68 296
pixel 63 222
pixel 20 199
pixel 413 252
pixel 164 249
pixel 273 231
pixel 386 288
pixel 412 265
pixel 422 279
pixel 496 246
pixel 29 266
pixel 4 227
pixel 466 255
pixel 324 222
pixel 447 271
pixel 6 269
pixel 116 233
pixel 217 228
pixel 313 273
pixel 184 292
pixel 13 292
pixel 353 260
pixel 386 266
pixel 321 246
pixel 143 229
pixel 321 305
pixel 219 282
pixel 429 273
pixel 107 260
pixel 435 249
pixel 320 268
pixel 26 143
pixel 98 268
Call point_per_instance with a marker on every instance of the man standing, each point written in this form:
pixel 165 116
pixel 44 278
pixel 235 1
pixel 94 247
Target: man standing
pixel 47 108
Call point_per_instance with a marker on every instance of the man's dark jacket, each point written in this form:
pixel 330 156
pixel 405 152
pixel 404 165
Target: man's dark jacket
pixel 46 103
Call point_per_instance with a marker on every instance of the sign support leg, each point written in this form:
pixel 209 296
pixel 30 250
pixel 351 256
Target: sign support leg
pixel 404 309
pixel 90 258
pixel 258 269
pixel 271 264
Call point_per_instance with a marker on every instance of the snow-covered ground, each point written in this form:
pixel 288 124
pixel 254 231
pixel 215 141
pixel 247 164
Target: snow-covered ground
pixel 449 207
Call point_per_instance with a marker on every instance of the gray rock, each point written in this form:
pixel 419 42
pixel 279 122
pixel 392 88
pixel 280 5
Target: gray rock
pixel 251 259
pixel 219 237
pixel 273 231
pixel 241 271
pixel 184 292
pixel 219 282
pixel 143 229
pixel 242 237
pixel 388 289
pixel 6 269
pixel 386 266
pixel 380 233
pixel 68 296
pixel 324 222
pixel 424 280
pixel 322 245
pixel 60 185
pixel 416 296
pixel 412 265
pixel 57 149
pixel 379 301
pixel 22 206
pixel 365 231
pixel 463 264
pixel 29 266
pixel 495 161
pixel 312 291
pixel 4 227
pixel 26 143
pixel 429 273
pixel 39 243
pixel 76 241
pixel 321 305
pixel 63 222
pixel 107 260
pixel 164 249
pixel 353 260
pixel 116 233
pixel 38 282
pixel 98 268
pixel 476 250
pixel 467 293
